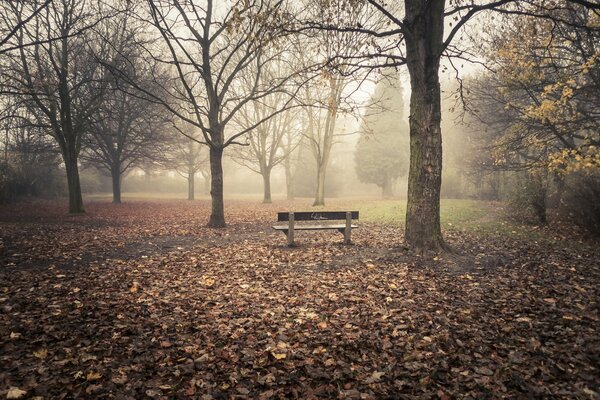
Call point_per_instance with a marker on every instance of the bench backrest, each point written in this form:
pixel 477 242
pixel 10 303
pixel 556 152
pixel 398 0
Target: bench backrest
pixel 315 216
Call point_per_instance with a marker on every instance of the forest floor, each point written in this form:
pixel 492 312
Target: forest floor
pixel 141 300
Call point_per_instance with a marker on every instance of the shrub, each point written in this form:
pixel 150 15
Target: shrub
pixel 581 200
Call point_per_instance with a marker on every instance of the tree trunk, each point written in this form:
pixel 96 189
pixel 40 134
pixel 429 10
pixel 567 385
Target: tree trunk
pixel 266 175
pixel 191 188
pixel 538 196
pixel 217 216
pixel 320 195
pixel 386 189
pixel 289 179
pixel 75 198
pixel 425 22
pixel 495 186
pixel 206 184
pixel 116 184
pixel 560 184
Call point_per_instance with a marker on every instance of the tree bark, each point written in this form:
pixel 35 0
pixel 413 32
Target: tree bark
pixel 538 199
pixel 191 186
pixel 289 179
pixel 74 186
pixel 424 36
pixel 320 195
pixel 266 175
pixel 560 184
pixel 115 173
pixel 217 216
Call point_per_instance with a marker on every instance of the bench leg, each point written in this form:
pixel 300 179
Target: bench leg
pixel 348 229
pixel 290 232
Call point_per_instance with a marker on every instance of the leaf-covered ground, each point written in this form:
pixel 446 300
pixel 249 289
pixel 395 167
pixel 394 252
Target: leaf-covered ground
pixel 142 301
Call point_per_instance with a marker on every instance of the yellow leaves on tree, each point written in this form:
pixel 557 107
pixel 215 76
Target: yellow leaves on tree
pixel 575 160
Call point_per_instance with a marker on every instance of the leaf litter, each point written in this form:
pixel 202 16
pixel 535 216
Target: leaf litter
pixel 141 300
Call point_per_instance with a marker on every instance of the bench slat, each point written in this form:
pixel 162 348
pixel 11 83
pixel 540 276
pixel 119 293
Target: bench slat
pixel 312 227
pixel 315 216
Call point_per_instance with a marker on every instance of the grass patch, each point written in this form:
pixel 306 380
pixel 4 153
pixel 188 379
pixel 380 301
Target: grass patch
pixel 475 216
pixel 459 213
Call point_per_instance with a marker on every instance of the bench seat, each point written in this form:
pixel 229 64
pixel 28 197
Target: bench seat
pixel 312 227
pixel 316 221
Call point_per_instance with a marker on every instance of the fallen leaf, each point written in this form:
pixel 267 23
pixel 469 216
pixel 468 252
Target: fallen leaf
pixel 207 281
pixel 93 376
pixel 15 393
pixel 41 353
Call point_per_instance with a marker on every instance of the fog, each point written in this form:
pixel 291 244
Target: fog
pixel 284 100
pixel 342 179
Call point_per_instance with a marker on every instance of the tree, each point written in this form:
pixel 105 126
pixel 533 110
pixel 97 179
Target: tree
pixel 188 158
pixel 125 130
pixel 211 47
pixel 332 93
pixel 320 129
pixel 417 29
pixel 267 145
pixel 541 103
pixel 9 27
pixel 59 80
pixel 30 162
pixel 290 143
pixel 272 141
pixel 381 154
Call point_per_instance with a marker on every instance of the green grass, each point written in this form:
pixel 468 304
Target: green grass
pixel 469 215
pixel 453 212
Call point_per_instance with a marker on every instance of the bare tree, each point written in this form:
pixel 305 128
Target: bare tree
pixel 211 46
pixel 125 130
pixel 9 26
pixel 270 143
pixel 60 79
pixel 188 157
pixel 30 159
pixel 332 92
pixel 290 143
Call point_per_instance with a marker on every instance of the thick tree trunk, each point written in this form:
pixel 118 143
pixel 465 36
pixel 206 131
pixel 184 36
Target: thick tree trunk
pixel 425 23
pixel 74 186
pixel 266 175
pixel 116 184
pixel 191 189
pixel 320 195
pixel 217 216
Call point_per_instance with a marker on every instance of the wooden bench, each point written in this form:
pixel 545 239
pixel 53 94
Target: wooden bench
pixel 292 217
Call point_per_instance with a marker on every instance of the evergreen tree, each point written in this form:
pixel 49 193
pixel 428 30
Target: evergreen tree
pixel 382 151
